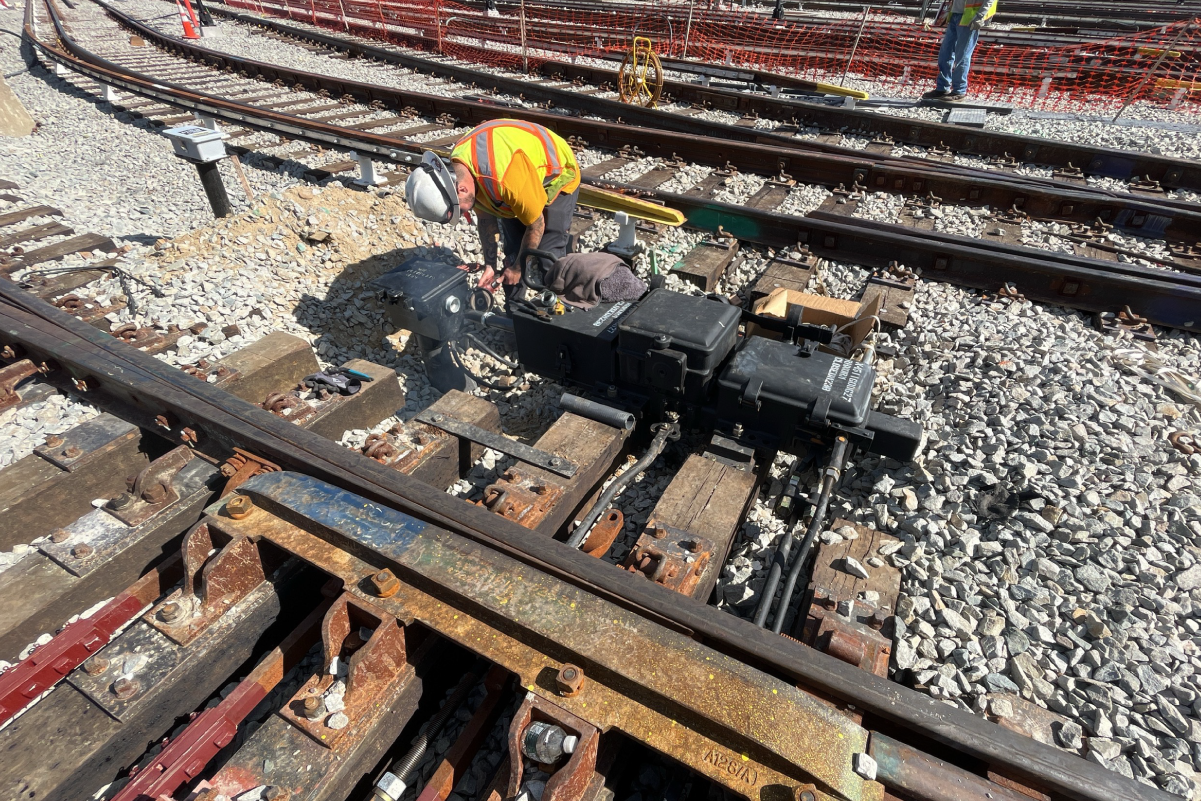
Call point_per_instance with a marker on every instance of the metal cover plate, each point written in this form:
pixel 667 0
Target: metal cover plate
pixel 498 442
pixel 974 117
pixel 162 658
pixel 107 536
pixel 95 437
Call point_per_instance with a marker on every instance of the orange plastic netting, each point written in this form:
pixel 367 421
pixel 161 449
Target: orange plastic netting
pixel 882 53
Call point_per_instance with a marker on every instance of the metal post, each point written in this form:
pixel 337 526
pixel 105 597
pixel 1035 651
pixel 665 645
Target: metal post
pixel 1154 67
pixel 525 61
pixel 688 27
pixel 210 179
pixel 862 24
pixel 438 23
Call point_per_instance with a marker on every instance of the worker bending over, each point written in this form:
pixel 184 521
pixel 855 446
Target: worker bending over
pixel 520 178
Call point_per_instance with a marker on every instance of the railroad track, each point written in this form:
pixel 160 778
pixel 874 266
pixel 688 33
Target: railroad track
pixel 1108 287
pixel 1116 15
pixel 422 586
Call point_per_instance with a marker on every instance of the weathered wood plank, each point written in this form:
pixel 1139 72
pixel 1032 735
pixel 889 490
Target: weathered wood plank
pixel 781 273
pixel 440 462
pixel 706 263
pixel 37 496
pixel 17 216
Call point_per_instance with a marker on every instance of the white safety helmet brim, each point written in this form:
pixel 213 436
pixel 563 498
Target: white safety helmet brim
pixel 432 191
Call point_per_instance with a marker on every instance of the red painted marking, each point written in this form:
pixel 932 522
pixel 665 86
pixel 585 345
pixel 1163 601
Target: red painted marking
pixel 47 665
pixel 189 753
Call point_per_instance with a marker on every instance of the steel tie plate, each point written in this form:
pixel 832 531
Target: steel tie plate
pixel 499 442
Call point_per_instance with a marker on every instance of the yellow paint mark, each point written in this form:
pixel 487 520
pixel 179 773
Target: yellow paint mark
pixel 573 604
pixel 746 758
pixel 775 691
pixel 710 675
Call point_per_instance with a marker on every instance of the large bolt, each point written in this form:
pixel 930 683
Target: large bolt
pixel 876 621
pixel 82 551
pixel 122 501
pixel 569 681
pixel 658 532
pixel 125 688
pixel 95 666
pixel 384 584
pixel 170 612
pixel 73 451
pixel 239 506
pixel 54 441
pixel 154 494
pixel 314 707
pixel 59 535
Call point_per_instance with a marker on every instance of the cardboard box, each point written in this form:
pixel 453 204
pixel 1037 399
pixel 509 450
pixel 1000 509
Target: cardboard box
pixel 820 310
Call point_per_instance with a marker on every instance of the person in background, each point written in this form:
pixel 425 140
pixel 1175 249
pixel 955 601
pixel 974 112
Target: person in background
pixel 964 20
pixel 520 178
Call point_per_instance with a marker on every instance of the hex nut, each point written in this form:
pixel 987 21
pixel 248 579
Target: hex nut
pixel 54 441
pixel 170 612
pixel 125 688
pixel 314 707
pixel 383 583
pixel 569 681
pixel 82 551
pixel 239 506
pixel 73 451
pixel 96 665
pixel 59 535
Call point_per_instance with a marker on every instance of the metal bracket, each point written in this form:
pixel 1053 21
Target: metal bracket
pixel 152 490
pixel 378 661
pixel 12 375
pixel 498 442
pixel 670 556
pixel 86 442
pixel 572 778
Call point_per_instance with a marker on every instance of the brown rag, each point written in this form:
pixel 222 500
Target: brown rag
pixel 576 277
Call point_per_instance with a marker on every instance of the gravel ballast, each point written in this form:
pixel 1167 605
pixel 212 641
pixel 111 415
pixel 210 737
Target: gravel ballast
pixel 1049 531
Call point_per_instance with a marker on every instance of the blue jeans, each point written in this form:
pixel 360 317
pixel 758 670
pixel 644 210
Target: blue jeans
pixel 955 56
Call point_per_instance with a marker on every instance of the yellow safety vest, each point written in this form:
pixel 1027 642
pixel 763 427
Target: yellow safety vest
pixel 488 150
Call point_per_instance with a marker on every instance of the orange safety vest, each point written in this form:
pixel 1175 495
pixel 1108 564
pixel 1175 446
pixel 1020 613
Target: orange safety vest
pixel 487 151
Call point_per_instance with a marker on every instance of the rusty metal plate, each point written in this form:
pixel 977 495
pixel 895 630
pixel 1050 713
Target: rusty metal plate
pixel 738 726
pixel 147 658
pixel 670 556
pixel 374 670
pixel 106 536
pixel 87 442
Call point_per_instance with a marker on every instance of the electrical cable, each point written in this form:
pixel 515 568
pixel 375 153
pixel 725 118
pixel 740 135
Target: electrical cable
pixel 834 466
pixel 459 359
pixel 779 559
pixel 665 431
pixel 486 348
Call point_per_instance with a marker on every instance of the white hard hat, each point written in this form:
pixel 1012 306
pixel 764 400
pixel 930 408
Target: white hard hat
pixel 431 190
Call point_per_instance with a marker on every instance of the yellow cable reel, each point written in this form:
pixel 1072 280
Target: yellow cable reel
pixel 640 78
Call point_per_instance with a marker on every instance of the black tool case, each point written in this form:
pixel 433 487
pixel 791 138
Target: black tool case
pixel 673 344
pixel 783 390
pixel 576 346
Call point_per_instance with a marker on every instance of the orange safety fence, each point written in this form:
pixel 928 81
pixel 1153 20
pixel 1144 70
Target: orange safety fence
pixel 882 53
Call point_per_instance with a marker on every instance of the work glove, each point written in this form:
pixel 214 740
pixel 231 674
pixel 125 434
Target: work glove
pixel 979 22
pixel 340 380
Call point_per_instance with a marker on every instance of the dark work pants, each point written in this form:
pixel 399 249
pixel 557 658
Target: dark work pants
pixel 556 239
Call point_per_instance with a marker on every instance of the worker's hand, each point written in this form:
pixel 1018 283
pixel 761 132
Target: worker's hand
pixel 979 22
pixel 512 275
pixel 488 278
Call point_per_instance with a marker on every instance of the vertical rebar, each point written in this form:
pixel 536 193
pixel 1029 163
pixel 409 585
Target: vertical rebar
pixel 855 47
pixel 688 27
pixel 525 61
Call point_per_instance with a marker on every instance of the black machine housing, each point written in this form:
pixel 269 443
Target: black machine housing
pixel 670 352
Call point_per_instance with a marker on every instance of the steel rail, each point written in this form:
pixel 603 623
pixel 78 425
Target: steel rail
pixel 1176 173
pixel 145 387
pixel 727 145
pixel 1169 299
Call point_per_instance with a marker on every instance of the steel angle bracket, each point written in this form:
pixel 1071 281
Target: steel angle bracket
pixel 758 736
pixel 498 442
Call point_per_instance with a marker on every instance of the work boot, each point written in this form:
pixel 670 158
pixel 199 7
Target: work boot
pixel 935 94
pixel 954 97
